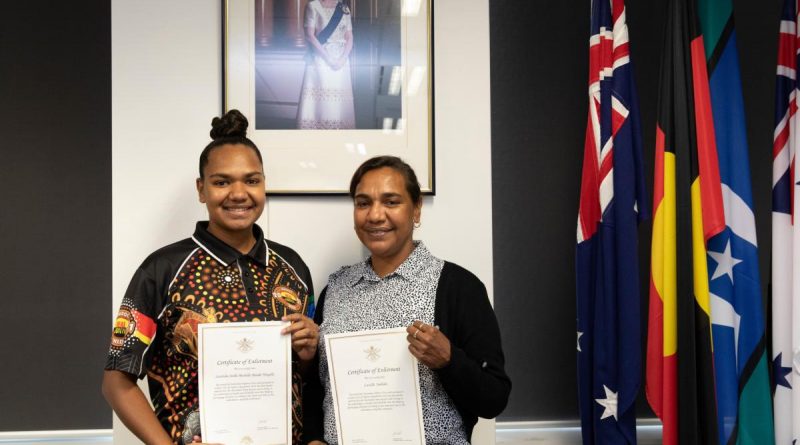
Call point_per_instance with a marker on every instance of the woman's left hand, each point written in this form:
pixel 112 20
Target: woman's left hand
pixel 305 335
pixel 337 64
pixel 428 345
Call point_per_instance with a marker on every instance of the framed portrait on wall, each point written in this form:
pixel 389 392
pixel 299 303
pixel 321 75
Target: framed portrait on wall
pixel 327 84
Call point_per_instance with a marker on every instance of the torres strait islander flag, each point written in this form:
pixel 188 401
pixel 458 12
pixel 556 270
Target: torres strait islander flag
pixel 612 203
pixel 688 211
pixel 785 354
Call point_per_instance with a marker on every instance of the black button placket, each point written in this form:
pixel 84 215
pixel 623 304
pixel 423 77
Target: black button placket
pixel 248 281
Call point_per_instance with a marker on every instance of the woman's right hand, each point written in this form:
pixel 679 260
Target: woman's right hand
pixel 317 442
pixel 330 60
pixel 335 63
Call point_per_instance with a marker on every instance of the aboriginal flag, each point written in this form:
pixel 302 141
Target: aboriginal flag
pixel 613 201
pixel 688 210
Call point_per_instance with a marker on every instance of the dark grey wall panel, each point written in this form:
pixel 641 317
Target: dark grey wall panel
pixel 55 219
pixel 539 64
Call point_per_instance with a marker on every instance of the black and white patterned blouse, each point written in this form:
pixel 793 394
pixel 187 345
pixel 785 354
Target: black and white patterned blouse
pixel 358 299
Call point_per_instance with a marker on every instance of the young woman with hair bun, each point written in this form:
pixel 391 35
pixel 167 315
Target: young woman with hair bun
pixel 226 271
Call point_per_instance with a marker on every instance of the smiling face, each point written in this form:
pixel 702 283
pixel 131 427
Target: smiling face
pixel 233 190
pixel 384 216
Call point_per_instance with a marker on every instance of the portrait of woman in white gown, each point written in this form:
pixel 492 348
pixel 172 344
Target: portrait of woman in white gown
pixel 326 98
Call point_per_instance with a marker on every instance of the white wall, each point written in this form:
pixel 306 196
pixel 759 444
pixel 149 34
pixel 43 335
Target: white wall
pixel 166 86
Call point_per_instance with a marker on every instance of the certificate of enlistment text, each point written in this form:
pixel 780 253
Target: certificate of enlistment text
pixel 245 381
pixel 375 388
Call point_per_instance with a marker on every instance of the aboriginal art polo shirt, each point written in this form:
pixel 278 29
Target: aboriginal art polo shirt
pixel 201 280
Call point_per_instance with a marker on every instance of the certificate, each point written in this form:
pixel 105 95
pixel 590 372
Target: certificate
pixel 375 388
pixel 245 381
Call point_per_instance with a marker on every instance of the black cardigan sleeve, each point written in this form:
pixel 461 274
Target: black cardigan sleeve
pixel 475 378
pixel 312 388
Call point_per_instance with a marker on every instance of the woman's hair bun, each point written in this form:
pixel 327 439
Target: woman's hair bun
pixel 231 124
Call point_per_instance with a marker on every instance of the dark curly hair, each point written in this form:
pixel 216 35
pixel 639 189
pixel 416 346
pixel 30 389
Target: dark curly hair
pixel 395 163
pixel 231 128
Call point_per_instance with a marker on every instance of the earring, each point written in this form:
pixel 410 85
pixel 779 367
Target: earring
pixel 417 224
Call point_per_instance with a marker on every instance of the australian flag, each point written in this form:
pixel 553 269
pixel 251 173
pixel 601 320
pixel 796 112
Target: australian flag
pixel 785 284
pixel 611 205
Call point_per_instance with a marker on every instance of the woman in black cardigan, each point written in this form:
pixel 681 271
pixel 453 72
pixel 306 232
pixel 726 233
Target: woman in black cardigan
pixel 452 329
